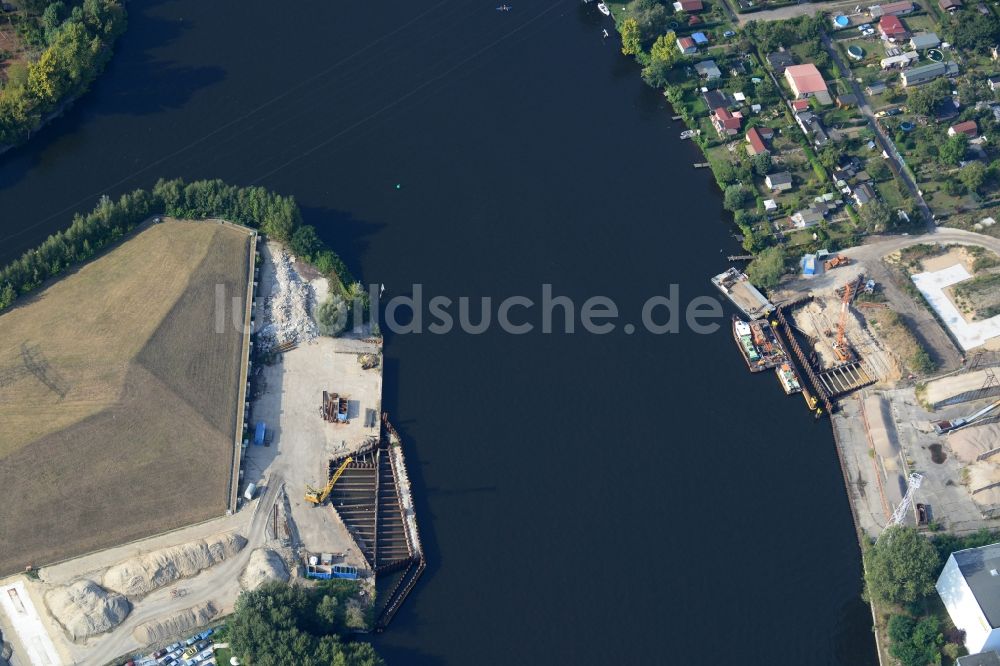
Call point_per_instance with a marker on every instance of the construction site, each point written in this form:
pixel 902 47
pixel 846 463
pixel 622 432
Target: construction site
pixel 320 490
pixel 914 410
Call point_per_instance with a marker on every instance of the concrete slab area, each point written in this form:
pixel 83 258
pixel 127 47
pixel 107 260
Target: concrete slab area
pixel 29 631
pixel 968 334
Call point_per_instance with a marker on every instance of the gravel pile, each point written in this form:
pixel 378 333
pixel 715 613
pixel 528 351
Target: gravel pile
pixel 176 625
pixel 138 576
pixel 264 565
pixel 288 310
pixel 85 609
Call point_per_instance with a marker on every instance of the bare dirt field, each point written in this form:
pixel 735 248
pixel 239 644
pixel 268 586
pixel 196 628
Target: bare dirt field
pixel 120 395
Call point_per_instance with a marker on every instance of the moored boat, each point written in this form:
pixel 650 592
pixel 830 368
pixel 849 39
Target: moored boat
pixel 603 9
pixel 758 344
pixel 788 378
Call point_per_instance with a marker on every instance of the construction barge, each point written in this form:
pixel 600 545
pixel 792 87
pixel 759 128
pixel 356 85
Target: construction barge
pixel 762 349
pixel 736 286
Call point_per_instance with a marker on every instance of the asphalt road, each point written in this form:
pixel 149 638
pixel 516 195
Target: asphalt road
pixel 885 142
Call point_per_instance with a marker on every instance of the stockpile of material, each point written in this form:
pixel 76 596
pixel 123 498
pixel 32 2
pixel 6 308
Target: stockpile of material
pixel 287 312
pixel 85 609
pixel 138 576
pixel 176 625
pixel 969 443
pixel 264 565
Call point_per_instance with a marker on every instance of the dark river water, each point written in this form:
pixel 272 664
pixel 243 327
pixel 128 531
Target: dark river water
pixel 584 499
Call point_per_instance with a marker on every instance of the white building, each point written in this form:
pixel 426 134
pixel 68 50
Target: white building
pixel 969 586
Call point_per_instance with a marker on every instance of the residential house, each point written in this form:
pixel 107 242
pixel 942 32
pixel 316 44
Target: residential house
pixel 949 5
pixel 876 88
pixel 969 586
pixel 770 204
pixel 689 6
pixel 923 74
pixel 862 194
pixel 892 28
pixel 726 123
pixel 969 128
pixel 806 81
pixel 780 181
pixel 901 61
pixel 891 9
pixel 994 82
pixel 810 217
pixel 780 61
pixel 811 126
pixel 686 45
pixel 924 40
pixel 799 105
pixel 699 38
pixel 717 98
pixel 847 100
pixel 755 143
pixel 707 69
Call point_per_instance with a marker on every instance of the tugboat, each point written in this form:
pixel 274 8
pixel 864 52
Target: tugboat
pixel 789 380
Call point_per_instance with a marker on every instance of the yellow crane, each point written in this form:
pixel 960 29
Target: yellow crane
pixel 317 497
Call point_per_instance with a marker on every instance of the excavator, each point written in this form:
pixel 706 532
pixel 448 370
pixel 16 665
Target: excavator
pixel 317 496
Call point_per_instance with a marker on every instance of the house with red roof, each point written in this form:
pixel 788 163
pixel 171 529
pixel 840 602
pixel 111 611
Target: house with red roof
pixel 969 128
pixel 755 142
pixel 806 81
pixel 892 27
pixel 727 123
pixel 686 45
pixel 689 6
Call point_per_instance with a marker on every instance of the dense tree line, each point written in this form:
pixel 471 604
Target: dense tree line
pixel 275 215
pixel 76 39
pixel 279 624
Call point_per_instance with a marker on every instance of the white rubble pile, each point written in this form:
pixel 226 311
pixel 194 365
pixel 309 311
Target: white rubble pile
pixel 288 310
pixel 176 625
pixel 85 609
pixel 138 576
pixel 264 565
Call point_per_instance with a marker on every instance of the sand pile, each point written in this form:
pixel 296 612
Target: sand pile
pixel 264 565
pixel 138 576
pixel 881 427
pixel 176 625
pixel 84 608
pixel 287 312
pixel 969 443
pixel 981 476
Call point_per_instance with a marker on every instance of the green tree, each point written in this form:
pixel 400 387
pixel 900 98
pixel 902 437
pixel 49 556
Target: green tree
pixel 767 268
pixel 305 242
pixel 735 197
pixel 630 37
pixel 915 643
pixel 7 296
pixel 954 149
pixel 762 163
pixel 973 175
pixel 663 55
pixel 979 33
pixel 925 99
pixel 901 566
pixel 276 624
pixel 651 16
pixel 876 216
pixel 332 315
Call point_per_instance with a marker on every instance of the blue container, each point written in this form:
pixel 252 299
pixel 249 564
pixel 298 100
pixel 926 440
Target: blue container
pixel 258 438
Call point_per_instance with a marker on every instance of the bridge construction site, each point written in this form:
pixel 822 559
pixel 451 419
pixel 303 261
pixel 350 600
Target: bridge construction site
pixel 916 447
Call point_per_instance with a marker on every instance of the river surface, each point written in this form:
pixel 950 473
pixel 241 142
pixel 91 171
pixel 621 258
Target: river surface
pixel 584 499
